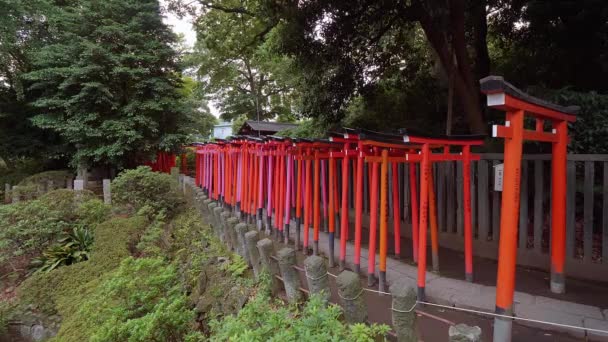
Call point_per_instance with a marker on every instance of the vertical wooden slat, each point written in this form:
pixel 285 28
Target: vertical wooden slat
pixel 483 211
pixel 570 209
pixel 474 208
pixel 459 200
pixel 588 211
pixel 441 196
pixel 391 188
pixel 605 216
pixel 538 205
pixel 406 194
pixel 365 189
pixel 450 200
pixel 495 209
pixel 523 206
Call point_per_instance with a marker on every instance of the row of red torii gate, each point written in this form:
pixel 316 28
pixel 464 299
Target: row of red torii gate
pixel 276 180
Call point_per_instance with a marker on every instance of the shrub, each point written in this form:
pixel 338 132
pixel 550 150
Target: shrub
pixel 26 228
pixel 141 187
pixel 70 249
pixel 314 322
pixel 63 289
pixel 140 301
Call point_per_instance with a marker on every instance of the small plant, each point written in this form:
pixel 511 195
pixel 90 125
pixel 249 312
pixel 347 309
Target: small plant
pixel 236 266
pixel 71 249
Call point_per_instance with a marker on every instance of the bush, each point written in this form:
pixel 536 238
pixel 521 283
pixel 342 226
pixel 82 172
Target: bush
pixel 63 289
pixel 314 322
pixel 141 187
pixel 140 301
pixel 26 228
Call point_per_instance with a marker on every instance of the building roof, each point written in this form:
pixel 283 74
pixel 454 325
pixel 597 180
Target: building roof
pixel 266 126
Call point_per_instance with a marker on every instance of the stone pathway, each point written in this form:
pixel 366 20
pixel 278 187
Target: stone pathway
pixel 462 294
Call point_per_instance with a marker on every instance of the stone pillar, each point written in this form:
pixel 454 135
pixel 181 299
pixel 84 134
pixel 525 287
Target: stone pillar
pixel 291 279
pixel 82 174
pixel 230 232
pixel 241 249
pixel 15 194
pixel 69 184
pixel 50 186
pixel 224 216
pixel 210 207
pixel 107 192
pixel 217 220
pixel 78 185
pixel 175 173
pixel 316 276
pixel 266 249
pixel 464 333
pixel 251 240
pixel 206 208
pixel 351 296
pixel 7 193
pixel 403 311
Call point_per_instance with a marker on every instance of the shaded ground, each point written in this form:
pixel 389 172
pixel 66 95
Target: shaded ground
pixel 528 280
pixel 436 329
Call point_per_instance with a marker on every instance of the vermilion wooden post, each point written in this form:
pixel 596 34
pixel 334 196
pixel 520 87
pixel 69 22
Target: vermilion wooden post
pixel 424 210
pixel 316 204
pixel 433 221
pixel 358 208
pixel 270 192
pixel 373 225
pixel 260 188
pixel 344 212
pixel 383 219
pixel 468 229
pixel 281 202
pixel 289 160
pixel 558 212
pixel 507 247
pixel 332 207
pixel 414 204
pixel 396 211
pixel 299 200
pixel 307 203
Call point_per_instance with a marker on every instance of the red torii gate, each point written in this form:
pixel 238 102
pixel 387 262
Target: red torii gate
pixel 504 96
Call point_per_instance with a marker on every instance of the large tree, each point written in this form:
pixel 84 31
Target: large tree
pixel 236 64
pixel 108 82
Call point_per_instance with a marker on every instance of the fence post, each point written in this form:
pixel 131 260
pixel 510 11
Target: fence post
pixel 50 186
pixel 224 216
pixel 78 185
pixel 69 184
pixel 316 276
pixel 291 279
pixel 266 249
pixel 464 333
pixel 241 249
pixel 351 295
pixel 15 194
pixel 107 192
pixel 217 210
pixel 251 240
pixel 230 232
pixel 7 193
pixel 403 314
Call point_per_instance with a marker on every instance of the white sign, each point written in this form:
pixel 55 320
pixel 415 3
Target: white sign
pixel 498 175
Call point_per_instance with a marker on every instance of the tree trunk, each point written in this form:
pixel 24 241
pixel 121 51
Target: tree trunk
pixel 464 85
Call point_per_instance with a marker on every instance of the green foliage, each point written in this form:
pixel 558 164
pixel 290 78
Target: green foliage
pixel 314 322
pixel 236 266
pixel 140 301
pixel 108 82
pixel 234 58
pixel 33 186
pixel 311 128
pixel 589 131
pixel 238 122
pixel 141 187
pixel 26 228
pixel 69 250
pixel 150 243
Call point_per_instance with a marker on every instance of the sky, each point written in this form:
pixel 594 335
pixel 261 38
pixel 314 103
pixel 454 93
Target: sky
pixel 184 27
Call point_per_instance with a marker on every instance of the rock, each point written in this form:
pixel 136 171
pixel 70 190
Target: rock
pixel 464 333
pixel 201 282
pixel 38 333
pixel 9 289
